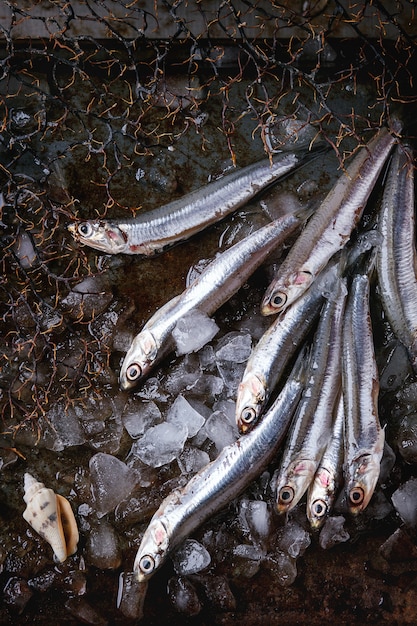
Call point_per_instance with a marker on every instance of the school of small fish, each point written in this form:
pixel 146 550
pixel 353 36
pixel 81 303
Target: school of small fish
pixel 324 414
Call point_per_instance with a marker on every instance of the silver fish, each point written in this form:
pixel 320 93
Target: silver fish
pixel 313 421
pixel 215 285
pixel 322 491
pixel 153 231
pixel 364 437
pixel 331 225
pixel 217 484
pixel 272 353
pixel 396 252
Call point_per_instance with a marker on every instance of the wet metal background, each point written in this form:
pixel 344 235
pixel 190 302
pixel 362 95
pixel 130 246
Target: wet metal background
pixel 107 109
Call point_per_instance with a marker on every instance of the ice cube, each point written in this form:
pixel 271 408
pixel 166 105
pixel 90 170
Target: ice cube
pixel 87 299
pixel 139 416
pixel 256 518
pixel 24 250
pixel 190 558
pixel 404 500
pixel 387 463
pixel 333 532
pixel 283 566
pixel 294 539
pixel 244 551
pixel 103 326
pixel 378 508
pixel 193 331
pixel 231 374
pixel 207 357
pixel 111 482
pixel 399 547
pixel 220 431
pixel 16 594
pixel 196 270
pixel 161 444
pixel 83 612
pixel 103 424
pixel 396 369
pixel 181 412
pixel 183 596
pixel 65 424
pixel 246 561
pixel 103 547
pixel 408 394
pixel 218 592
pixel 207 385
pixel 234 347
pixel 122 339
pixel 43 581
pixel 200 406
pixel 131 596
pixel 405 438
pixel 183 375
pixel 228 407
pixel 152 390
pixel 192 459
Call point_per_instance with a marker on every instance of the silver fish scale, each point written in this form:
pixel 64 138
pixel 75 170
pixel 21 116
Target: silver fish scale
pixel 154 230
pixel 221 481
pixel 277 345
pixel 322 490
pixel 396 253
pixel 312 424
pixel 364 438
pixel 217 283
pixel 331 225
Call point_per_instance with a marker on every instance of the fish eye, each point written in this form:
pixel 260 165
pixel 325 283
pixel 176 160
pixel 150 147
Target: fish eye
pixel 133 372
pixel 278 300
pixel 248 415
pixel 85 229
pixel 147 564
pixel 356 496
pixel 319 508
pixel 286 495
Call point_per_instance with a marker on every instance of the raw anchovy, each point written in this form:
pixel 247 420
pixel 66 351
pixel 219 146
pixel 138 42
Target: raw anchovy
pixel 396 253
pixel 217 484
pixel 322 491
pixel 313 421
pixel 331 225
pixel 215 285
pixel 364 437
pixel 274 350
pixel 153 231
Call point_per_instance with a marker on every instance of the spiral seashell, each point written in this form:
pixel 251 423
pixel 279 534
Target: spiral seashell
pixel 50 514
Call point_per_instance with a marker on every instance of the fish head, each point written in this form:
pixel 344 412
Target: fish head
pixel 320 497
pixel 153 549
pixel 101 235
pixel 249 402
pixel 294 484
pixel 280 295
pixel 139 360
pixel 363 476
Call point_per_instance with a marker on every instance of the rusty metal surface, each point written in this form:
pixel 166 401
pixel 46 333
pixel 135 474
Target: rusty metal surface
pixel 100 116
pixel 207 19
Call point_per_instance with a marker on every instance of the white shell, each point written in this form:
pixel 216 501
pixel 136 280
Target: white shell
pixel 51 516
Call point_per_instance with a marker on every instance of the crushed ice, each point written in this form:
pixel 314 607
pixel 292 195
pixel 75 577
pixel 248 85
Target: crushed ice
pixel 193 331
pixel 404 500
pixel 161 444
pixel 190 558
pixel 182 413
pixel 333 532
pixel 111 482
